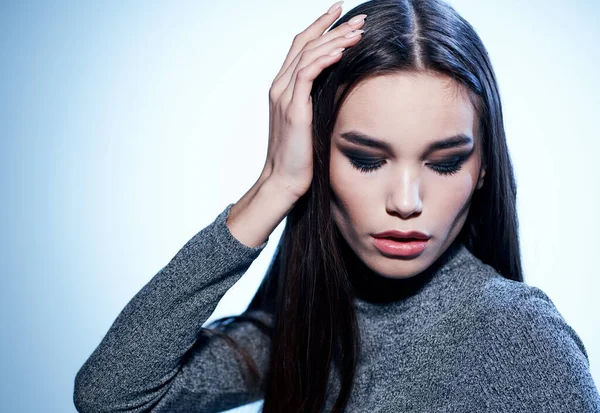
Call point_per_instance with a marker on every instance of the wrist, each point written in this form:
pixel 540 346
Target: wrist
pixel 259 211
pixel 281 189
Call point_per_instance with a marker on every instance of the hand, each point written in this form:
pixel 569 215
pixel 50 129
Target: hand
pixel 290 153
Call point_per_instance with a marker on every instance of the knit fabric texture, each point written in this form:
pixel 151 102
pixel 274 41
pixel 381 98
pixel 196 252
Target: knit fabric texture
pixel 468 340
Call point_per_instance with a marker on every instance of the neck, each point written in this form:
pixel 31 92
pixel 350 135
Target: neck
pixel 370 286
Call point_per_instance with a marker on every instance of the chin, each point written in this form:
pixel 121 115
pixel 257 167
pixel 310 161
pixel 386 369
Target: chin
pixel 402 274
pixel 398 267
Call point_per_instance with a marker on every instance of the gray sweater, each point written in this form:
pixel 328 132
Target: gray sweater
pixel 469 340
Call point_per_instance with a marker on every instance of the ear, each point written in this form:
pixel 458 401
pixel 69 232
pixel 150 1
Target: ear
pixel 481 176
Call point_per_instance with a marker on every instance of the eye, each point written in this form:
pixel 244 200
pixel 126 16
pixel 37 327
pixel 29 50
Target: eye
pixel 365 165
pixel 448 168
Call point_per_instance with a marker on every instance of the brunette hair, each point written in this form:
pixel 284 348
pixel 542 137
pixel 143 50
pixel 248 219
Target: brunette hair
pixel 308 287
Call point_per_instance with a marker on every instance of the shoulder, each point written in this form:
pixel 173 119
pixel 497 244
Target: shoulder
pixel 522 348
pixel 505 303
pixel 522 314
pixel 496 301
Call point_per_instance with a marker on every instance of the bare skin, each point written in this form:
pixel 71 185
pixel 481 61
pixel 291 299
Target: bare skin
pixel 403 188
pixel 408 112
pixel 288 169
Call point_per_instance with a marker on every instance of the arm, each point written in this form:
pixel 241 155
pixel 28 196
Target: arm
pixel 140 358
pixel 213 378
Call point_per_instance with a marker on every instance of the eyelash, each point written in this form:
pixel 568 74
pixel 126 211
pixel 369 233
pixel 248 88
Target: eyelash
pixel 444 169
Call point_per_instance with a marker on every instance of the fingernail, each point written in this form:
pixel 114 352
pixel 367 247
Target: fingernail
pixel 354 33
pixel 333 8
pixel 337 51
pixel 357 19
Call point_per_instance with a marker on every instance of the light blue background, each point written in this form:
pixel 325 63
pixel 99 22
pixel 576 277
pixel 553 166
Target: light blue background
pixel 127 126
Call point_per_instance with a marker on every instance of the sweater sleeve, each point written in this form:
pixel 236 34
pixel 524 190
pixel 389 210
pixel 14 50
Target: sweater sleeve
pixel 152 360
pixel 529 359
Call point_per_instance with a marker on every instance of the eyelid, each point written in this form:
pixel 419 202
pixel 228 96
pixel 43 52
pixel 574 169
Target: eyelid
pixel 453 159
pixel 357 154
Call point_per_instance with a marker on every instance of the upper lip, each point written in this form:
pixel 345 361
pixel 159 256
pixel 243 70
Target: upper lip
pixel 401 234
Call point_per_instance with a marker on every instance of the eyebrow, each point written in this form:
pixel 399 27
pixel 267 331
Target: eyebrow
pixel 365 140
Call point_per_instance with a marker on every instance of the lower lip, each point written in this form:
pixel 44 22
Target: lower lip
pixel 399 248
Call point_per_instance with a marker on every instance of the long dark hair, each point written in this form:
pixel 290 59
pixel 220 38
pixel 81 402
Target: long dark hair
pixel 308 287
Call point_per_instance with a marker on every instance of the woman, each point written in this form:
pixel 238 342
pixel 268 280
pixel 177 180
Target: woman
pixel 397 283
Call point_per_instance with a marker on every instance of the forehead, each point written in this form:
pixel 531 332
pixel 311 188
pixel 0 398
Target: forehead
pixel 407 107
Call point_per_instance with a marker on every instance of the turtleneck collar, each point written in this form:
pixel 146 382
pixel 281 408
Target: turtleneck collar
pixel 369 286
pixel 398 309
pixel 434 289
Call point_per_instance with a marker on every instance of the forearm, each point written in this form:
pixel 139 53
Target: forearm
pixel 137 359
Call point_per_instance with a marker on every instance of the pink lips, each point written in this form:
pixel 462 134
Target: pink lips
pixel 394 233
pixel 399 248
pixel 401 243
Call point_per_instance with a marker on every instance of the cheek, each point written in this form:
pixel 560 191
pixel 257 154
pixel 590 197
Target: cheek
pixel 350 188
pixel 449 196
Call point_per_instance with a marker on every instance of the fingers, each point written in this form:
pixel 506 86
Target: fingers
pixel 308 54
pixel 316 29
pixel 302 87
pixel 312 62
pixel 354 23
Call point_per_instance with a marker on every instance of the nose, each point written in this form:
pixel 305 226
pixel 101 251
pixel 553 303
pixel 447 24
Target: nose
pixel 404 195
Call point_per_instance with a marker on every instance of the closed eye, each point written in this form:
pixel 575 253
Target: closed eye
pixel 370 164
pixel 366 165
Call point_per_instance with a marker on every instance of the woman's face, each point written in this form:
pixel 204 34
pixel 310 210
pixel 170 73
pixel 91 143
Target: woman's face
pixel 408 185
